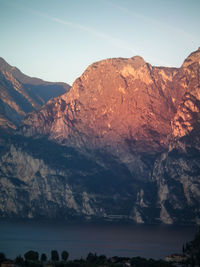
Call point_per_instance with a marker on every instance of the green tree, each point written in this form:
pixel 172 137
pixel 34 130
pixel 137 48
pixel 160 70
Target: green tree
pixel 65 255
pixel 54 255
pixel 43 257
pixel 183 249
pixel 31 255
pixel 91 257
pixel 2 256
pixel 19 260
pixel 102 259
pixel 198 257
pixel 192 249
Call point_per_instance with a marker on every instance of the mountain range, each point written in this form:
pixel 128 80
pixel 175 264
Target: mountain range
pixel 122 144
pixel 20 94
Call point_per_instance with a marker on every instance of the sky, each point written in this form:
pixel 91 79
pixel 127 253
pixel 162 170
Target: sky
pixel 56 40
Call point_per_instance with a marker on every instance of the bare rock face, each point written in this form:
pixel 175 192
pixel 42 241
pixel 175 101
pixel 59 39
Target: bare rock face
pixel 41 179
pixel 20 94
pixel 116 102
pixel 122 106
pixel 35 189
pixel 125 144
pixel 177 171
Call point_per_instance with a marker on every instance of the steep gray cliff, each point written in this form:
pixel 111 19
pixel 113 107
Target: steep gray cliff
pixel 177 171
pixel 40 178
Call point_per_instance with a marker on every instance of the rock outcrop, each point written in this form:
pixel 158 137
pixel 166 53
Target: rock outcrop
pixel 116 101
pixel 118 105
pixel 41 179
pixel 134 129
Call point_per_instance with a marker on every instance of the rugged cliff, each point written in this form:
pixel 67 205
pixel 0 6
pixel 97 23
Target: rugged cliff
pixel 123 143
pixel 41 179
pixel 177 171
pixel 115 101
pixel 118 105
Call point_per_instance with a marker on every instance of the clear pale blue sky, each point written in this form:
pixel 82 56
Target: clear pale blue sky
pixel 57 40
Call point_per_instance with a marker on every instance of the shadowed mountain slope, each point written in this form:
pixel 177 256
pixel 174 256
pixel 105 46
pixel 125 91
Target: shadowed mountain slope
pixel 20 94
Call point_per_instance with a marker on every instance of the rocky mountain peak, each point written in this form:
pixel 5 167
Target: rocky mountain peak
pixel 20 94
pixel 11 70
pixel 193 58
pixel 123 143
pixel 114 101
pixel 138 61
pixel 3 64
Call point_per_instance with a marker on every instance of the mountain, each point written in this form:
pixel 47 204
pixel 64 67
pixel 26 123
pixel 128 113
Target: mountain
pixel 122 144
pixel 20 94
pixel 116 101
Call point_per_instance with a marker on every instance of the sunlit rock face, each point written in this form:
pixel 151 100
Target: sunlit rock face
pixel 134 132
pixel 20 94
pixel 115 103
pixel 118 105
pixel 177 171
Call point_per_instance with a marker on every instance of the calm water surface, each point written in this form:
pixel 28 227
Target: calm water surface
pixel 80 239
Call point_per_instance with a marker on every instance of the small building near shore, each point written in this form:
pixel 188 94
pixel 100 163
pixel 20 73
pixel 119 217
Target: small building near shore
pixel 8 263
pixel 176 258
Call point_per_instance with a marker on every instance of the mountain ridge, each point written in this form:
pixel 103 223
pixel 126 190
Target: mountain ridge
pixel 20 94
pixel 122 144
pixel 23 78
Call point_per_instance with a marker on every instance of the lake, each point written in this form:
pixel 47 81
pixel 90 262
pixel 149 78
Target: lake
pixel 150 241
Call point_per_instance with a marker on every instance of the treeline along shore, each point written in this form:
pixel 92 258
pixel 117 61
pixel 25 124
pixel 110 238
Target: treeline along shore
pixel 190 257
